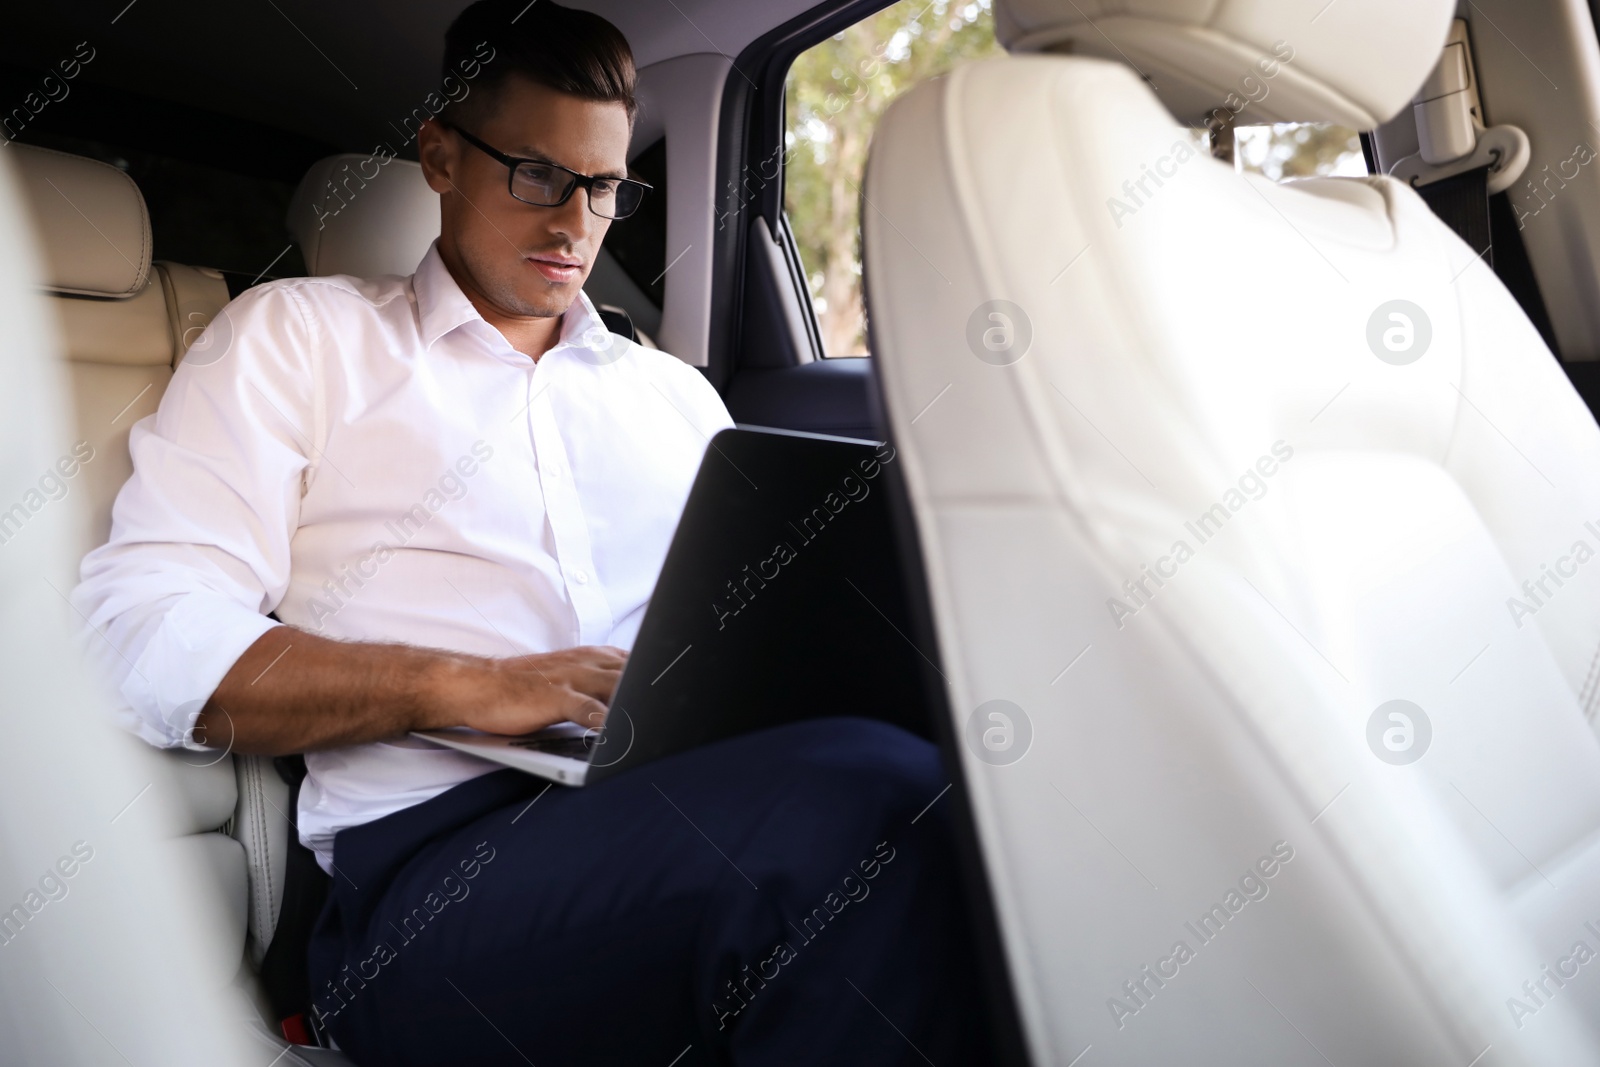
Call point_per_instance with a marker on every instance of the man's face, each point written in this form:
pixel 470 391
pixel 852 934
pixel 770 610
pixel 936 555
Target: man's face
pixel 522 259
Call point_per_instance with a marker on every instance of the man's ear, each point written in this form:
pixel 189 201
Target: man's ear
pixel 440 154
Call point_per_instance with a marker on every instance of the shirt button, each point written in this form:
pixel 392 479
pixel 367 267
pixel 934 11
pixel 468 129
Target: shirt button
pixel 553 474
pixel 581 577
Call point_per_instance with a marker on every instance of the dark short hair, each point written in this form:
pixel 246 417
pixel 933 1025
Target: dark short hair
pixel 570 51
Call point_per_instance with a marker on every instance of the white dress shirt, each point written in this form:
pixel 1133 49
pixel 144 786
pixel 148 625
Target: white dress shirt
pixel 372 461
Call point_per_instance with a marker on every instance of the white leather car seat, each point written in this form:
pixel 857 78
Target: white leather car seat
pixel 1207 471
pixel 124 323
pixel 352 214
pixel 119 340
pixel 109 949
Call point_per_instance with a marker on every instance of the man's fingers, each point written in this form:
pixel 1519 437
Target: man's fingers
pixel 594 682
pixel 607 657
pixel 604 656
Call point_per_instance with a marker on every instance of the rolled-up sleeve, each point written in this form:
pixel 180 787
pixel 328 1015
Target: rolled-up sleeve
pixel 200 534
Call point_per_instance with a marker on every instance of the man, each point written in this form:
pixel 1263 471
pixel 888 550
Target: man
pixel 456 492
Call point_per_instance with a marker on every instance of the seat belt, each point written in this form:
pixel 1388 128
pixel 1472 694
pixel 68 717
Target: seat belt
pixel 1462 170
pixel 1515 269
pixel 305 890
pixel 1488 225
pixel 1462 203
pixel 618 321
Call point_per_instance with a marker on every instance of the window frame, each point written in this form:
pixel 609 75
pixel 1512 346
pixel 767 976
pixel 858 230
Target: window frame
pixel 750 151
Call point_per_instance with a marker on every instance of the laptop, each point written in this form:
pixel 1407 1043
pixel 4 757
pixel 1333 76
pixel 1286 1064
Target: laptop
pixel 781 598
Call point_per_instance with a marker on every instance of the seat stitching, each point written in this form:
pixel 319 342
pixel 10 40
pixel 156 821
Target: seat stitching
pixel 274 891
pixel 244 826
pixel 267 922
pixel 251 791
pixel 1586 695
pixel 1588 678
pixel 262 860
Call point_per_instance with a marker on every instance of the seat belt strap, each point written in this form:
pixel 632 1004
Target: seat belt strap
pixel 1489 227
pixel 1511 263
pixel 618 321
pixel 1462 203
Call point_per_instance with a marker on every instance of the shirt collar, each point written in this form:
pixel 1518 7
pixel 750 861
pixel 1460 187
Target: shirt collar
pixel 443 307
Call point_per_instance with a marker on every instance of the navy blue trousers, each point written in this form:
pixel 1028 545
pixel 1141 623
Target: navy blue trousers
pixel 784 897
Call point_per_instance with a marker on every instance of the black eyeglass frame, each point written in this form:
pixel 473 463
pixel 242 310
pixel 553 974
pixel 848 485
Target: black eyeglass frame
pixel 511 163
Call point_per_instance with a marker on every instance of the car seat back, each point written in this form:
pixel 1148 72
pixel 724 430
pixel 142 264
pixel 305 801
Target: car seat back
pixel 120 924
pixel 1229 494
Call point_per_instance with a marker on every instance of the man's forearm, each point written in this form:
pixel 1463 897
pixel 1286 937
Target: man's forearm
pixel 293 691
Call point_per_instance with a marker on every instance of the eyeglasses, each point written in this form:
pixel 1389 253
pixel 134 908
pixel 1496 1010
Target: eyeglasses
pixel 542 184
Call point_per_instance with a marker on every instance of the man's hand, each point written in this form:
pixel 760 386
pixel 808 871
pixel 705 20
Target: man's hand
pixel 293 691
pixel 518 696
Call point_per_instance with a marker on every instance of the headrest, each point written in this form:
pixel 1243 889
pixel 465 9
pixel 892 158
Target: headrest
pixel 1351 62
pixel 364 215
pixel 90 221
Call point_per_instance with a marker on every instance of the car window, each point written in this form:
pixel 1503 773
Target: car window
pixel 1288 150
pixel 834 96
pixel 837 91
